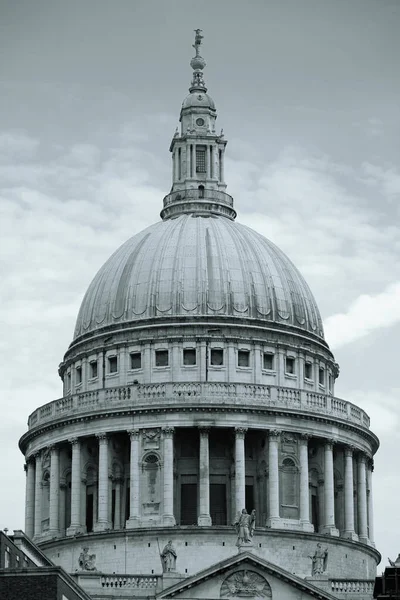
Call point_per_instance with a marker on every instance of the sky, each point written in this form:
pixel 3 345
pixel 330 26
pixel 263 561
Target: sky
pixel 308 95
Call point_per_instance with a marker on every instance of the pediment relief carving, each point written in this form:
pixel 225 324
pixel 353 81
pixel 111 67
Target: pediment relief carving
pixel 245 584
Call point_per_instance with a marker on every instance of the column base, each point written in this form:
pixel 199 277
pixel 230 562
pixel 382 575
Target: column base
pixel 132 523
pixel 204 520
pixel 50 535
pixel 273 522
pixel 75 530
pixel 101 526
pixel 350 535
pixel 363 539
pixel 307 526
pixel 168 520
pixel 330 530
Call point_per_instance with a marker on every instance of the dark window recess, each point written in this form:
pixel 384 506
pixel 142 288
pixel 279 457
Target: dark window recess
pixel 243 358
pixel 112 364
pixel 321 376
pixel 268 361
pixel 201 191
pixel 217 356
pixel 189 356
pixel 308 370
pixel 89 513
pixel 78 375
pixel 218 503
pixel 93 368
pixel 189 504
pixel 290 365
pixel 161 358
pixel 68 380
pixel 136 360
pixel 200 159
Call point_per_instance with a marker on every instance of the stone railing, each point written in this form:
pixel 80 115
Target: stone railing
pixel 199 394
pixel 195 194
pixel 129 581
pixel 352 587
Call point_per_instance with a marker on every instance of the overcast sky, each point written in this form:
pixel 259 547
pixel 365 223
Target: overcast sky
pixel 308 94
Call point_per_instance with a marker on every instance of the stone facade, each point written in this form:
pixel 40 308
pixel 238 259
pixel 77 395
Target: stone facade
pixel 175 418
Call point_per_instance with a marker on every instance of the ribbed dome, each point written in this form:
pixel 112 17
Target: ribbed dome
pixel 199 99
pixel 195 266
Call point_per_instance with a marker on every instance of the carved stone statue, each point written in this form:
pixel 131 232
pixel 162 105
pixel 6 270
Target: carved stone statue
pixel 319 560
pixel 245 525
pixel 168 557
pixel 86 560
pixel 395 563
pixel 197 40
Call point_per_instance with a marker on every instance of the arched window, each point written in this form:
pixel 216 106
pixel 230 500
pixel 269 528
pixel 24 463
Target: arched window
pixel 151 486
pixel 201 191
pixel 289 489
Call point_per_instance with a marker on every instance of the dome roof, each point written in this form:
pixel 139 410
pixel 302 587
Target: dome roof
pixel 199 99
pixel 194 266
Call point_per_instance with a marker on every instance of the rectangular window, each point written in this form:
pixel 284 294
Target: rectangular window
pixel 189 356
pixel 68 381
pixel 93 369
pixel 330 380
pixel 112 364
pixel 308 370
pixel 200 159
pixel 78 375
pixel 268 361
pixel 217 357
pixel 290 365
pixel 136 360
pixel 7 558
pixel 321 376
pixel 243 358
pixel 161 358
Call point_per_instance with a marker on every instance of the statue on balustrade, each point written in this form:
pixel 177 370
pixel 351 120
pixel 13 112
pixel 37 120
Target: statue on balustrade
pixel 168 558
pixel 395 563
pixel 245 525
pixel 86 560
pixel 319 560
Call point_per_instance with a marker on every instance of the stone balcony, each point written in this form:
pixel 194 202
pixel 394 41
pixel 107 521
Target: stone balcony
pixel 198 200
pixel 207 395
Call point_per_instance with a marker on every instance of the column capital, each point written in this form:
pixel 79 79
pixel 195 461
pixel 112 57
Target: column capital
pixel 168 432
pixel 274 434
pixel 240 432
pixel 204 430
pixel 29 460
pixel 74 441
pixel 53 448
pixel 134 434
pixel 329 443
pixel 102 438
pixel 370 464
pixel 304 437
pixel 349 450
pixel 38 455
pixel 362 457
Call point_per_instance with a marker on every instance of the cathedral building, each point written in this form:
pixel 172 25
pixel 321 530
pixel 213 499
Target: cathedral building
pixel 198 393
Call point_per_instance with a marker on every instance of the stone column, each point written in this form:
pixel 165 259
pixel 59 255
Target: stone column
pixel 117 509
pixel 349 531
pixel 329 488
pixel 370 503
pixel 304 484
pixel 76 484
pixel 204 517
pixel 134 512
pixel 222 166
pixel 273 519
pixel 362 498
pixel 103 492
pixel 63 494
pixel 240 471
pixel 188 161
pixel 30 497
pixel 54 491
pixel 207 162
pixel 212 168
pixel 38 494
pixel 168 515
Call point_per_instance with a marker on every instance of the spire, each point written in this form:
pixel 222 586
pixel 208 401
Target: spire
pixel 197 63
pixel 198 153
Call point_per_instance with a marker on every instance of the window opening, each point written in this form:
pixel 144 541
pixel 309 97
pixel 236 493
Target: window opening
pixel 93 369
pixel 321 376
pixel 290 365
pixel 243 358
pixel 201 191
pixel 78 375
pixel 161 358
pixel 200 159
pixel 112 364
pixel 268 361
pixel 217 357
pixel 189 356
pixel 136 360
pixel 308 370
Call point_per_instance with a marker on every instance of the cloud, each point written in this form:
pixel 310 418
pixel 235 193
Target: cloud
pixel 366 314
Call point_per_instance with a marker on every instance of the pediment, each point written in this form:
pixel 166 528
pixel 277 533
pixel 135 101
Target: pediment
pixel 244 577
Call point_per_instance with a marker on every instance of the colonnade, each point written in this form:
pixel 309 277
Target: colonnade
pixel 214 162
pixel 102 508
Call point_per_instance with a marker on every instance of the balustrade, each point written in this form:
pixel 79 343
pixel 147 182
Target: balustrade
pixel 201 394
